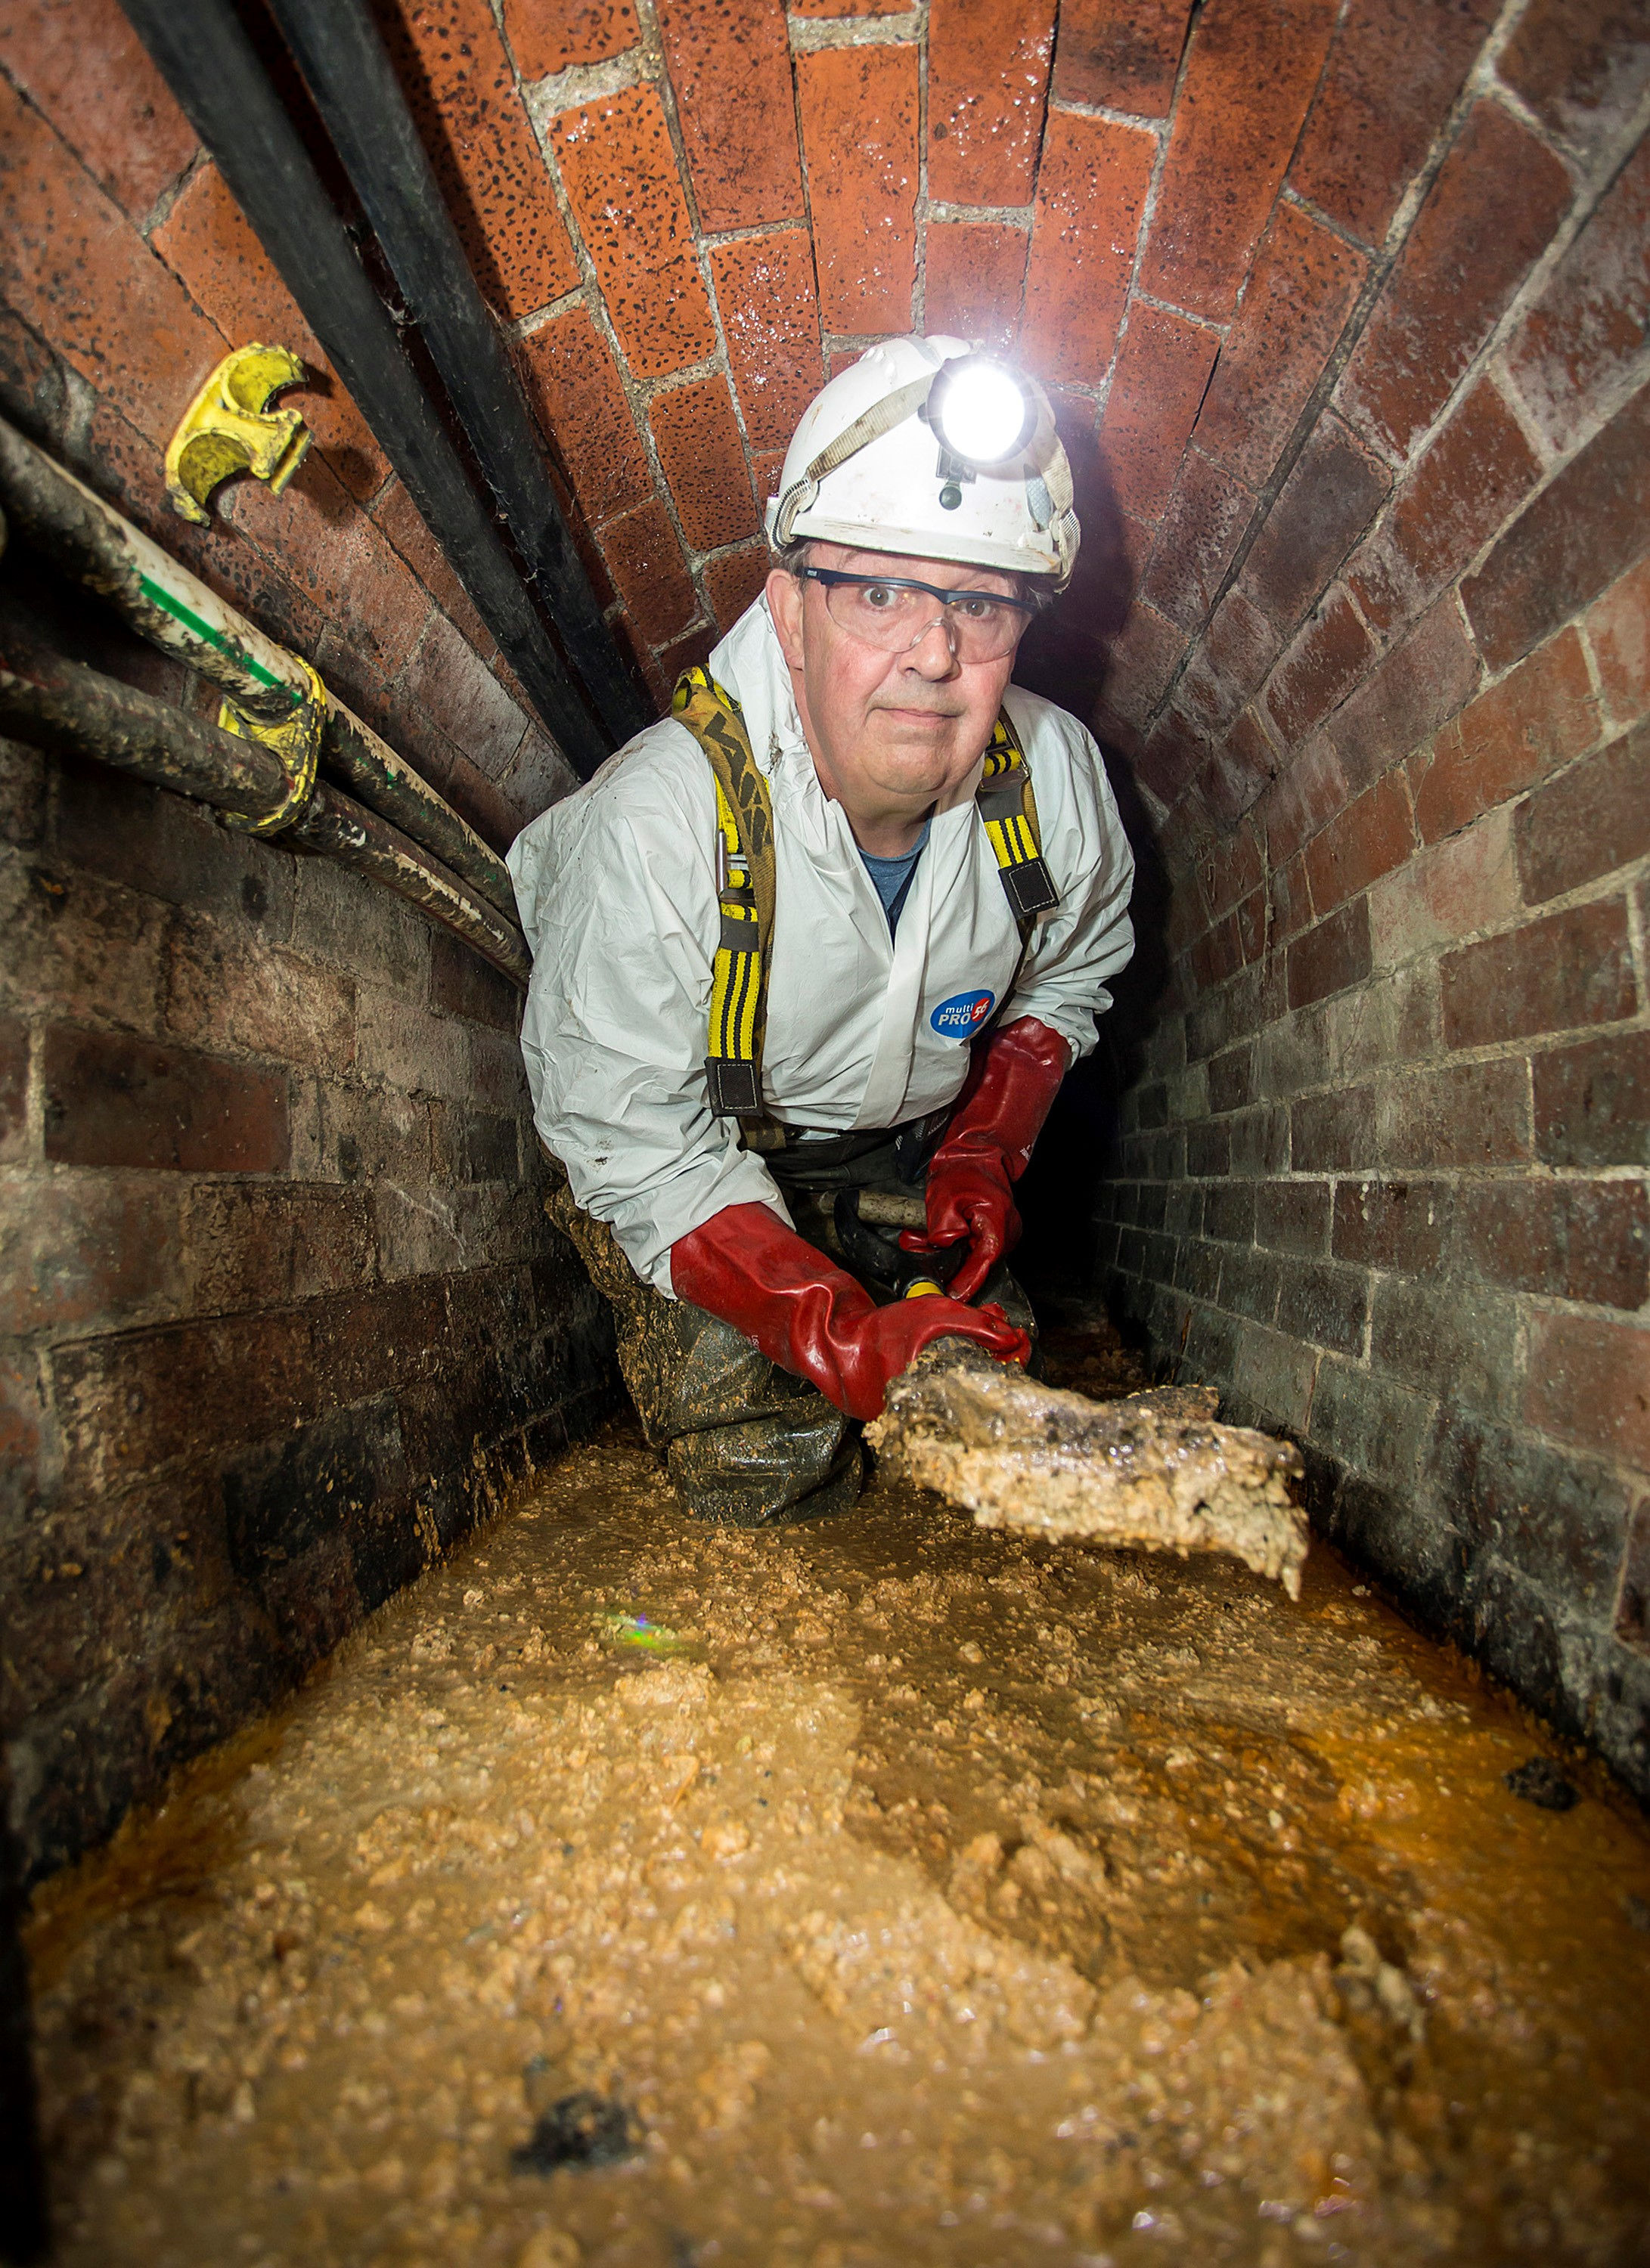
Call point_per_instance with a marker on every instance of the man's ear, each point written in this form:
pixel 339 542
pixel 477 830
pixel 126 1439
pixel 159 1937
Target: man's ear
pixel 785 604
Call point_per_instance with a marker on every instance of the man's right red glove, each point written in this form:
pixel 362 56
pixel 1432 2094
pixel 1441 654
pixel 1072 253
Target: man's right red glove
pixel 746 1266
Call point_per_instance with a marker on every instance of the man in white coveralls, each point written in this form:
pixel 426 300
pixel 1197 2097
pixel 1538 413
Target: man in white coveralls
pixel 839 924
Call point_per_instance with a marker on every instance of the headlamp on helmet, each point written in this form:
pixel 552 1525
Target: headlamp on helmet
pixel 981 413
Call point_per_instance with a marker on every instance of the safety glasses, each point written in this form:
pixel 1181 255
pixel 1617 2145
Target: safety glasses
pixel 891 612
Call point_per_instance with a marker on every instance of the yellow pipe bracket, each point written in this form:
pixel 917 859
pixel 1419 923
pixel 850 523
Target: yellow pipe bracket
pixel 295 741
pixel 228 429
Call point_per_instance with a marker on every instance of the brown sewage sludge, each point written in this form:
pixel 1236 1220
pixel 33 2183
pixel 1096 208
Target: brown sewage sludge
pixel 883 1891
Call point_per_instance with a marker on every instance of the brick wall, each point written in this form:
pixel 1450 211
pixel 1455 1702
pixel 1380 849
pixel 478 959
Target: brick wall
pixel 280 1315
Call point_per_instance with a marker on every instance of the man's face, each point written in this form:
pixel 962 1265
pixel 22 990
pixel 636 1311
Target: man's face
pixel 889 731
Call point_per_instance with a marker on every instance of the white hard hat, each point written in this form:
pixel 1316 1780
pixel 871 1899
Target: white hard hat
pixel 893 456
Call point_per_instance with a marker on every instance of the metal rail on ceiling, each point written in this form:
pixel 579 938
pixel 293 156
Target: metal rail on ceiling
pixel 207 60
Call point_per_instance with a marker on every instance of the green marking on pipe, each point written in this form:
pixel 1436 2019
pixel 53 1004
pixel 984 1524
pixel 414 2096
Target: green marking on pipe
pixel 190 619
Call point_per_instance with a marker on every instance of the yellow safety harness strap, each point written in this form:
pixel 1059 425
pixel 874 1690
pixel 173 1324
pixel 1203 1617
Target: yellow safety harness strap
pixel 1009 810
pixel 746 875
pixel 745 896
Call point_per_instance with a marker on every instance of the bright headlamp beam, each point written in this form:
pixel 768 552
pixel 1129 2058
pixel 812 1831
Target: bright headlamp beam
pixel 980 412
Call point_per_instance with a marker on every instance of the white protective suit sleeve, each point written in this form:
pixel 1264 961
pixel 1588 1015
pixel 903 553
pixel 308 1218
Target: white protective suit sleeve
pixel 1088 937
pixel 618 908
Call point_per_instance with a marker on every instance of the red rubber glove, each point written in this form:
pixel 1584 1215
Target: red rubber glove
pixel 807 1314
pixel 987 1146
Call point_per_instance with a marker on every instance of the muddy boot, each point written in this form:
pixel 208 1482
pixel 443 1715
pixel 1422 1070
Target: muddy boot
pixel 743 1441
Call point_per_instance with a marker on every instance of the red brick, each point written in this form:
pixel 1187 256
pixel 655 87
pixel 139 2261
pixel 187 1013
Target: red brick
pixel 111 1100
pixel 1172 754
pixel 767 466
pixel 275 1003
pixel 14 1085
pixel 318 537
pixel 860 110
pixel 582 411
pixel 130 1400
pixel 1122 54
pixel 1580 65
pixel 1290 899
pixel 1327 1306
pixel 1319 669
pixel 973 273
pixel 447 683
pixel 988 80
pixel 92 950
pixel 703 458
pixel 649 571
pixel 730 70
pixel 1332 493
pixel 1157 387
pixel 1394 73
pixel 1464 885
pixel 1472 478
pixel 1230 870
pixel 547 35
pixel 1488 215
pixel 88 1248
pixel 1197 540
pixel 1328 958
pixel 1578 348
pixel 1333 1131
pixel 1399 1224
pixel 209 243
pixel 1589 1382
pixel 620 172
pixel 1592 818
pixel 1300 291
pixel 394 511
pixel 458 83
pixel 664 668
pixel 1593 1102
pixel 1540 715
pixel 1242 766
pixel 764 287
pixel 1618 630
pixel 1143 660
pixel 1419 685
pixel 1217 954
pixel 260 1244
pixel 1568 1240
pixel 81 62
pixel 1554 974
pixel 1582 532
pixel 76 270
pixel 1309 792
pixel 1249 76
pixel 735 582
pixel 1368 839
pixel 1091 194
pixel 1240 643
pixel 1455 1114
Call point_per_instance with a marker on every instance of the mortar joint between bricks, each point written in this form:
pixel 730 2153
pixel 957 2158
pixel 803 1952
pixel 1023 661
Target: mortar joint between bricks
pixel 811 33
pixel 936 209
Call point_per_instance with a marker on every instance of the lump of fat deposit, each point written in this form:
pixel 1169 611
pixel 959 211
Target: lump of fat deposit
pixel 1153 1471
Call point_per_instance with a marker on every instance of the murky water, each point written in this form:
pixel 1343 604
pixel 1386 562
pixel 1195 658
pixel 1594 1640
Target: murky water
pixel 884 1892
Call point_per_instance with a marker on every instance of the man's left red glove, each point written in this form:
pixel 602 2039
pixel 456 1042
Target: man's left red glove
pixel 987 1147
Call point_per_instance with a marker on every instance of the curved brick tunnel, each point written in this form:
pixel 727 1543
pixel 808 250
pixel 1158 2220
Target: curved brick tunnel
pixel 1343 311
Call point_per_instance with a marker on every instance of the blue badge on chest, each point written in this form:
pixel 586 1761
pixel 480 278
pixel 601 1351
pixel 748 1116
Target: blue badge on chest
pixel 961 1016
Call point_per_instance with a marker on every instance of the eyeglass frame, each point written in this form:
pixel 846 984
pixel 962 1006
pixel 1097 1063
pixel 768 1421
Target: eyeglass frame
pixel 832 577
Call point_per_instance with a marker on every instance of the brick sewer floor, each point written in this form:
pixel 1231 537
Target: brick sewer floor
pixel 632 1892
